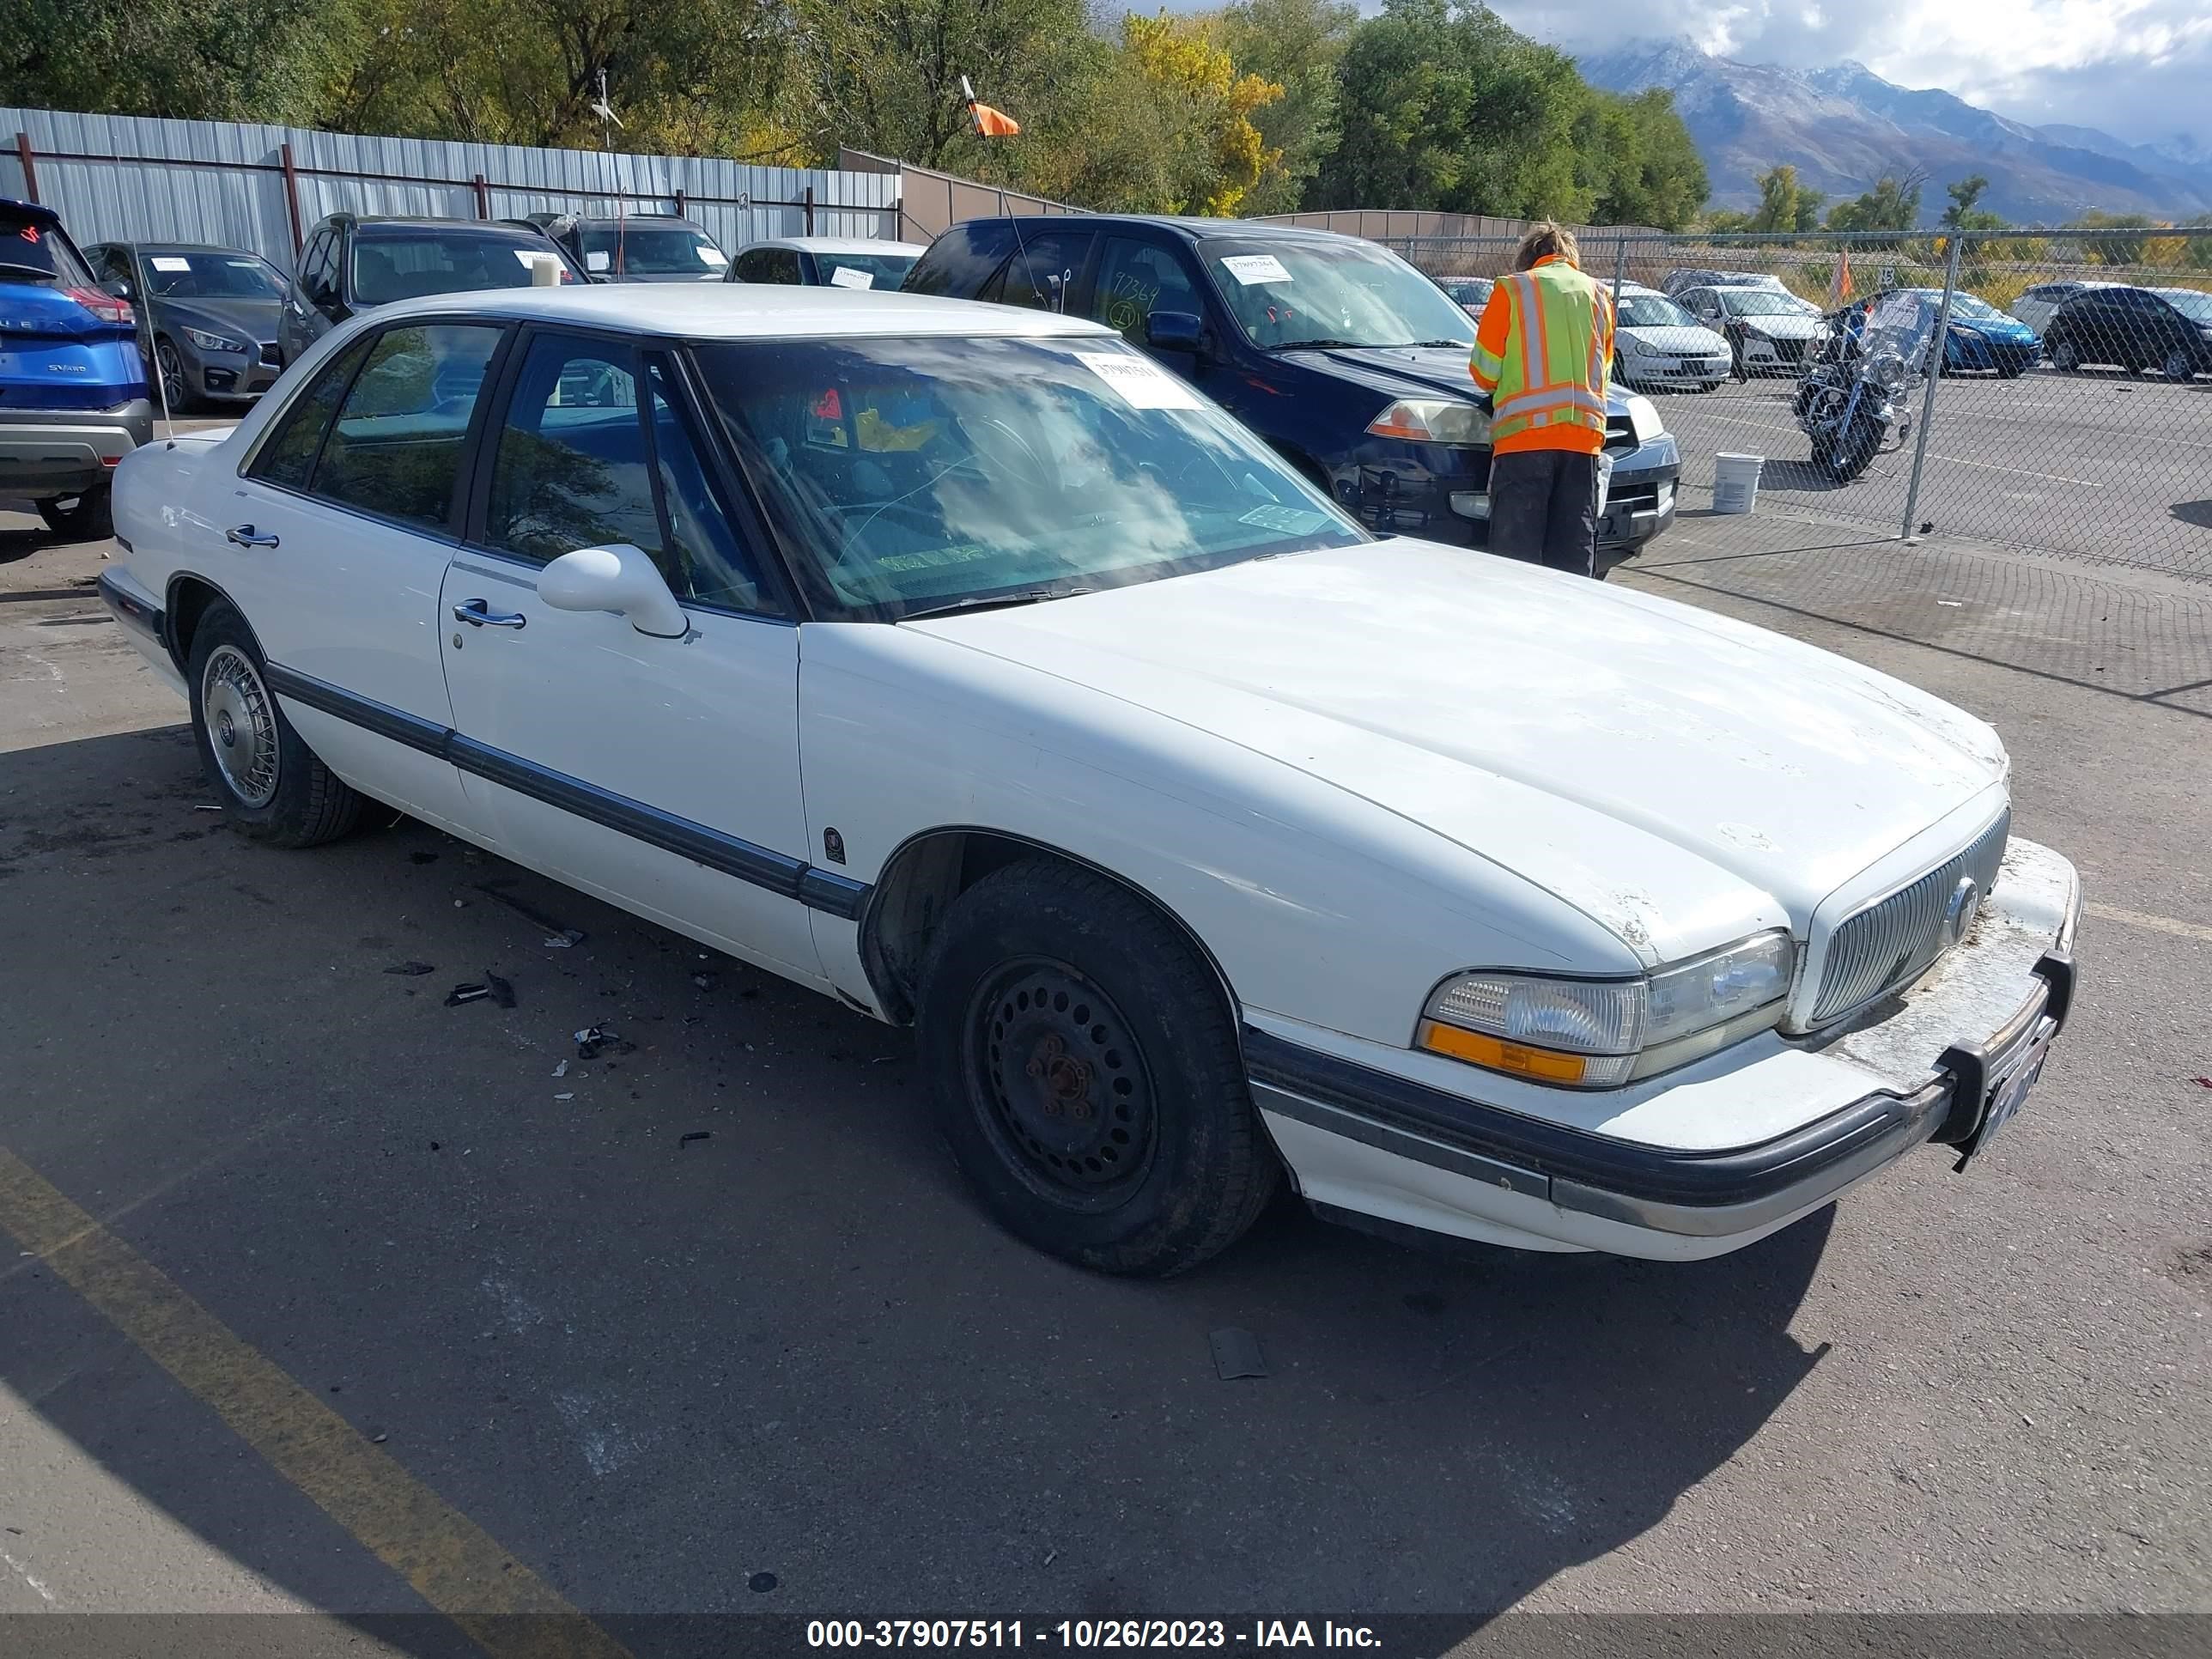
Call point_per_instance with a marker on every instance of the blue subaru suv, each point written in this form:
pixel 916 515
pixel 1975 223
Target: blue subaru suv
pixel 1347 360
pixel 72 390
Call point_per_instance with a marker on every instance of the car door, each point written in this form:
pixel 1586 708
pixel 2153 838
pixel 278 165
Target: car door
pixel 1043 270
pixel 334 538
pixel 662 773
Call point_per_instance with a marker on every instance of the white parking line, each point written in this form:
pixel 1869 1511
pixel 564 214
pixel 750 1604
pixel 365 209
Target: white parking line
pixel 2156 924
pixel 2018 472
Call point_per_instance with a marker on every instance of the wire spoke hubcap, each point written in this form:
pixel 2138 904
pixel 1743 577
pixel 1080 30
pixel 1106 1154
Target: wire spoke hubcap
pixel 1069 1098
pixel 241 726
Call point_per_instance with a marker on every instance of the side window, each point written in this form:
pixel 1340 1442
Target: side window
pixel 288 456
pixel 315 264
pixel 702 547
pixel 1136 279
pixel 783 266
pixel 745 268
pixel 1042 267
pixel 395 449
pixel 570 469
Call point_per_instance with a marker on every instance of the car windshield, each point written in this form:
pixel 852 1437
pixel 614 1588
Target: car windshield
pixel 1471 290
pixel 1285 292
pixel 31 252
pixel 176 273
pixel 880 270
pixel 914 474
pixel 409 266
pixel 1760 302
pixel 1653 311
pixel 650 250
pixel 2197 306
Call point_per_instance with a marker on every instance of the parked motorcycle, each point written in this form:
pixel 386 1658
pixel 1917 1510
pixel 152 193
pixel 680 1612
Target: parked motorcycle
pixel 1859 390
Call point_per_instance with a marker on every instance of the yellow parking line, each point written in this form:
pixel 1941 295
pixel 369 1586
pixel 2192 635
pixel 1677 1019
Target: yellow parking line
pixel 2196 930
pixel 453 1564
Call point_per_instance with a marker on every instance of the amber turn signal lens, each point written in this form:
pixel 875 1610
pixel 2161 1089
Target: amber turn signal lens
pixel 1514 1058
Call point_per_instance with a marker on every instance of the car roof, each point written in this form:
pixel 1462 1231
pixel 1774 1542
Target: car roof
pixel 838 245
pixel 746 311
pixel 397 222
pixel 181 247
pixel 1243 230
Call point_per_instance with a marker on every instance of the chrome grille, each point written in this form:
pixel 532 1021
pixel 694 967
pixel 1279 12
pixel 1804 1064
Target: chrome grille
pixel 1894 940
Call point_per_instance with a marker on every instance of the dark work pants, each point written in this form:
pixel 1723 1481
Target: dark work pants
pixel 1543 509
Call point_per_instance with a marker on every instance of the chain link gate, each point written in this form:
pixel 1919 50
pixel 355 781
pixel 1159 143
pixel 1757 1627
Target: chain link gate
pixel 2072 413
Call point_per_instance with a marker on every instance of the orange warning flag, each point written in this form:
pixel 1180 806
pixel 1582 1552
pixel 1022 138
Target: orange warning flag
pixel 993 124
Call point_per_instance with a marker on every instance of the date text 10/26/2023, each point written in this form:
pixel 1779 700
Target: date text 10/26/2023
pixel 1086 1633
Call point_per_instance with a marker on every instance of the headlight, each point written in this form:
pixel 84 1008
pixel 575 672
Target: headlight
pixel 1599 1034
pixel 1888 371
pixel 207 342
pixel 1643 418
pixel 1432 420
pixel 1632 346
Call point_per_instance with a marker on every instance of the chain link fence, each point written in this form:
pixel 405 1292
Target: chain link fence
pixel 2070 410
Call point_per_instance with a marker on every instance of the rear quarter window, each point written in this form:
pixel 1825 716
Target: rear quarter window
pixel 961 261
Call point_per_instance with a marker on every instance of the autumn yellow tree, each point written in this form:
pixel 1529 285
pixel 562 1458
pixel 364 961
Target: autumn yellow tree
pixel 1216 154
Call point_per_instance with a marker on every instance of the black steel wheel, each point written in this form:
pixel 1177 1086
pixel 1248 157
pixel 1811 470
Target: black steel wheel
pixel 1086 1072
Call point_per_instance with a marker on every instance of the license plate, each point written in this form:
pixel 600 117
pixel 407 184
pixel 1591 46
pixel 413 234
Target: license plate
pixel 2010 1079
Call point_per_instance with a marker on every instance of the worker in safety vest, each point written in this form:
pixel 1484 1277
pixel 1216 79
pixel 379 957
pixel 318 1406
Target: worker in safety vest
pixel 1543 352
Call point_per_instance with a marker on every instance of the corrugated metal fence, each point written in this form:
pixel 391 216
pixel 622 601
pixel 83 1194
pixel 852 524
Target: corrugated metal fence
pixel 117 177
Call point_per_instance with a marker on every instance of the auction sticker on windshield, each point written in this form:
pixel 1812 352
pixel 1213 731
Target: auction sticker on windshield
pixel 846 276
pixel 1142 383
pixel 1251 268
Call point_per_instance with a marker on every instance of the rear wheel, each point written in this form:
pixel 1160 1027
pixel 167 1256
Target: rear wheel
pixel 1086 1072
pixel 2064 358
pixel 272 788
pixel 2178 365
pixel 86 518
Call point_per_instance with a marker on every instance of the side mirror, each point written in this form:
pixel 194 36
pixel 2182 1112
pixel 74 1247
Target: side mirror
pixel 1174 331
pixel 620 579
pixel 118 287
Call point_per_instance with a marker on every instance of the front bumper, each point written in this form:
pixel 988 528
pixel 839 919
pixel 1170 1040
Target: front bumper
pixel 1766 354
pixel 1677 371
pixel 1442 494
pixel 1402 1150
pixel 46 452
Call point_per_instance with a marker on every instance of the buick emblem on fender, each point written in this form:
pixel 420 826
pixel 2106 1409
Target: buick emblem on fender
pixel 1959 914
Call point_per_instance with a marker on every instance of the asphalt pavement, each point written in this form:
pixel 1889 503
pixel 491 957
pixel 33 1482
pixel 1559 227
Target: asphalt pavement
pixel 2098 466
pixel 345 1300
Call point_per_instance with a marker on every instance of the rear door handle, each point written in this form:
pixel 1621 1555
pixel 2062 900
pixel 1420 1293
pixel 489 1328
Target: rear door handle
pixel 245 535
pixel 478 613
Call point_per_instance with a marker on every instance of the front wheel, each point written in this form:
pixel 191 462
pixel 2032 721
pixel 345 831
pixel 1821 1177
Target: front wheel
pixel 1086 1072
pixel 2064 358
pixel 171 368
pixel 1854 449
pixel 2178 365
pixel 271 787
pixel 86 518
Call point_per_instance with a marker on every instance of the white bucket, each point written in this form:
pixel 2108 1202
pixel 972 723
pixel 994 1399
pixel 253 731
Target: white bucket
pixel 1736 482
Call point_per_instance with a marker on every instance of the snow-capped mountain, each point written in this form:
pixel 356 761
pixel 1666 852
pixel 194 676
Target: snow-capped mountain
pixel 1845 126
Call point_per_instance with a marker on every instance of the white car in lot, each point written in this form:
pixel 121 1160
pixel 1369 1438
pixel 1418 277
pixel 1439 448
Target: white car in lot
pixel 960 663
pixel 1656 344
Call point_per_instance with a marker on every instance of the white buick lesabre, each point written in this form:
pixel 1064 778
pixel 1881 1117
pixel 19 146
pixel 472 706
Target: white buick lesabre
pixel 962 664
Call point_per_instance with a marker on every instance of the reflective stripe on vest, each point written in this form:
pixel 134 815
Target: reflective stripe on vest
pixel 1551 373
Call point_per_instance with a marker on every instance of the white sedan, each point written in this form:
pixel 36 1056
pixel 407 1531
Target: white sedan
pixel 1657 344
pixel 963 665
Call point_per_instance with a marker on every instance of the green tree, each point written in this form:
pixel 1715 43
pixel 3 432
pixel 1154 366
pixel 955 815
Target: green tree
pixel 2105 247
pixel 1893 203
pixel 1777 199
pixel 237 60
pixel 1651 172
pixel 1296 45
pixel 1963 193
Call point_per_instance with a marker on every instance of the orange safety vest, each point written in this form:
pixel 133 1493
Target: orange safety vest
pixel 1543 350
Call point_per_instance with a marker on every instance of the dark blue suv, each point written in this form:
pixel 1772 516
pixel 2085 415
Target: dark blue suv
pixel 1340 354
pixel 72 390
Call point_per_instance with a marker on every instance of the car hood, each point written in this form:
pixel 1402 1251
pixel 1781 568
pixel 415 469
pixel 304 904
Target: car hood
pixel 1644 761
pixel 2008 329
pixel 1680 339
pixel 1407 371
pixel 1785 328
pixel 254 321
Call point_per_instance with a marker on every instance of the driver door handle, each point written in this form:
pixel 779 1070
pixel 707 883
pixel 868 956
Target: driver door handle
pixel 245 535
pixel 478 613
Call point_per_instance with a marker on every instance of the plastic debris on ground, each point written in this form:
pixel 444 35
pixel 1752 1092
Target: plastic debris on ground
pixel 596 1040
pixel 461 993
pixel 562 1070
pixel 706 982
pixel 1236 1354
pixel 411 969
pixel 502 991
pixel 690 1135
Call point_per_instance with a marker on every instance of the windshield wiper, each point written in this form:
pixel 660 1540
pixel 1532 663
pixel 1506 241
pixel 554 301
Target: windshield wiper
pixel 1411 343
pixel 994 601
pixel 1323 344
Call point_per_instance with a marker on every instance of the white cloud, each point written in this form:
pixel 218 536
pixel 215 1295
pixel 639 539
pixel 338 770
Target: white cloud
pixel 2137 68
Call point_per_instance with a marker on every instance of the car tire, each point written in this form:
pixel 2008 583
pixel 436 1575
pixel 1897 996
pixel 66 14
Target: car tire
pixel 86 518
pixel 2178 365
pixel 271 787
pixel 2064 358
pixel 1085 1070
pixel 171 368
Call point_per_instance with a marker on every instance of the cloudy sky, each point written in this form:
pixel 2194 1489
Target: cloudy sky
pixel 2139 69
